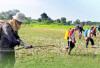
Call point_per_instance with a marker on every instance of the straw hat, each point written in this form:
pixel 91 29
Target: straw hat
pixel 19 17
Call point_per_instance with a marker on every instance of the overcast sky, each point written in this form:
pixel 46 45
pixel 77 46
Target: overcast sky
pixel 71 9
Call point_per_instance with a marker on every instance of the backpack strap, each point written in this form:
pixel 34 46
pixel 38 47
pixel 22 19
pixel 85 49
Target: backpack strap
pixel 71 32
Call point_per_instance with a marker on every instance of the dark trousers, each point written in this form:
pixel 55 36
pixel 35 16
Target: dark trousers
pixel 91 40
pixel 70 46
pixel 94 34
pixel 7 59
pixel 80 35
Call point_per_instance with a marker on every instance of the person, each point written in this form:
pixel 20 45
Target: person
pixel 80 31
pixel 1 22
pixel 9 32
pixel 89 38
pixel 98 29
pixel 9 38
pixel 71 40
pixel 94 31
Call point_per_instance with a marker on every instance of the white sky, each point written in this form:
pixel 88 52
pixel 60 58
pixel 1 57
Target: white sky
pixel 25 6
pixel 71 9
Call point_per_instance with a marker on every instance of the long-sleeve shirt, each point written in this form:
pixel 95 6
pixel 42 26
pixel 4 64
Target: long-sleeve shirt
pixel 89 33
pixel 8 37
pixel 81 29
pixel 94 31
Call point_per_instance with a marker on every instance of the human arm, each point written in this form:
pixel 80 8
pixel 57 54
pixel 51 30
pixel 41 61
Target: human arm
pixel 8 33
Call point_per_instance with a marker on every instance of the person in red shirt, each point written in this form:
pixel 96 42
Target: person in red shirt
pixel 71 40
pixel 94 31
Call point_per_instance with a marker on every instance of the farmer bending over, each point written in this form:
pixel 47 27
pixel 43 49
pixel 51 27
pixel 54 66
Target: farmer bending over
pixel 9 33
pixel 89 38
pixel 80 31
pixel 71 40
pixel 98 29
pixel 94 31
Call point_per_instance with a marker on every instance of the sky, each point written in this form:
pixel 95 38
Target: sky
pixel 85 10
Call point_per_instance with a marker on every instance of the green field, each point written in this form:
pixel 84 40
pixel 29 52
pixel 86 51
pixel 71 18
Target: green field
pixel 42 56
pixel 51 26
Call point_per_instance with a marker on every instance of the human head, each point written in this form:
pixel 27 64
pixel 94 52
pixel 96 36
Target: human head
pixel 82 25
pixel 92 27
pixel 19 17
pixel 17 20
pixel 76 28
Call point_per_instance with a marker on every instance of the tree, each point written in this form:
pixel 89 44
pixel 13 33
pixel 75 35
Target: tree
pixel 69 22
pixel 8 14
pixel 58 20
pixel 77 22
pixel 46 22
pixel 51 21
pixel 63 20
pixel 44 16
pixel 11 13
pixel 88 22
pixel 46 19
pixel 3 15
pixel 82 23
pixel 39 20
pixel 29 20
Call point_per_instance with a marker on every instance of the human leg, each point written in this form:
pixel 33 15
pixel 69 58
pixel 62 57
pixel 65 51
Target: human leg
pixel 87 42
pixel 71 46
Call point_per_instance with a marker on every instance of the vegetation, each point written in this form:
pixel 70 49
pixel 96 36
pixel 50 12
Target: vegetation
pixel 54 56
pixel 45 31
pixel 45 19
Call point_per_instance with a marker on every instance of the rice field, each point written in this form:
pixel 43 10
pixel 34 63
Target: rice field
pixel 47 51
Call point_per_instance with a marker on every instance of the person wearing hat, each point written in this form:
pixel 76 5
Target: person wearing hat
pixel 71 40
pixel 89 38
pixel 9 32
pixel 9 39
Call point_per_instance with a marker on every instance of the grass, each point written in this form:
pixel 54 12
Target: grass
pixel 51 26
pixel 53 57
pixel 48 26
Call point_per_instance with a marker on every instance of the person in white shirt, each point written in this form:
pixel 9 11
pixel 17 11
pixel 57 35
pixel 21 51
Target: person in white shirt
pixel 89 38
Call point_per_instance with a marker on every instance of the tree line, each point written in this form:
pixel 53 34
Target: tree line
pixel 45 19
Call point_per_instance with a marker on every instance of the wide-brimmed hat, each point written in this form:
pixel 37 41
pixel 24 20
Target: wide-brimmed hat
pixel 19 17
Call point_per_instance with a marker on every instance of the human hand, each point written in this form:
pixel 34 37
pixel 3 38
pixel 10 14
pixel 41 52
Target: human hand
pixel 21 43
pixel 73 41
